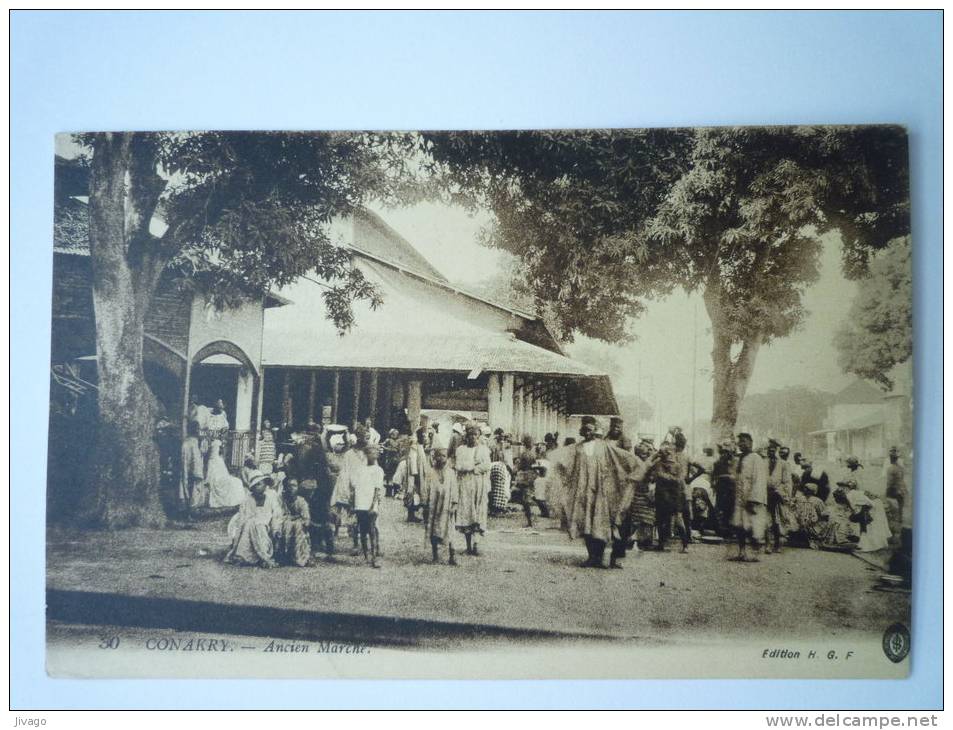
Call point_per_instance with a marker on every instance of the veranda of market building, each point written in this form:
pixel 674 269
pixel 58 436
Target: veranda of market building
pixel 429 346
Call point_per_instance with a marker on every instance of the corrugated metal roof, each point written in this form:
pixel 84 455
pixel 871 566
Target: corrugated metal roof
pixel 373 236
pixel 406 349
pixel 416 334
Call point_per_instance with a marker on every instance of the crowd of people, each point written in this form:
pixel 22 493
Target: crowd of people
pixel 302 490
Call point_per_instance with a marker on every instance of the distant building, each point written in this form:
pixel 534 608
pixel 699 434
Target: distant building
pixel 865 422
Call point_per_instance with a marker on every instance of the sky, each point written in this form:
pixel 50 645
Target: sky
pixel 448 237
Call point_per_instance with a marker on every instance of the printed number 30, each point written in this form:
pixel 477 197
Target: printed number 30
pixel 109 642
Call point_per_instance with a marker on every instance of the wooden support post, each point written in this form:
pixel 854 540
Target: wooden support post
pixel 506 402
pixel 414 399
pixel 355 414
pixel 372 402
pixel 388 400
pixel 312 394
pixel 287 407
pixel 518 411
pixel 336 397
pixel 494 401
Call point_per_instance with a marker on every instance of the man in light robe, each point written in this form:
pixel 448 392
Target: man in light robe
pixel 598 494
pixel 780 496
pixel 751 500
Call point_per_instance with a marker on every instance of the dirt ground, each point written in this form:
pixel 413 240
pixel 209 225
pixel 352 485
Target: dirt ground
pixel 524 578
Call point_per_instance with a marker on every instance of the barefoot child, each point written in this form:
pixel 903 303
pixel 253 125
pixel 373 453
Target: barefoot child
pixel 367 489
pixel 444 497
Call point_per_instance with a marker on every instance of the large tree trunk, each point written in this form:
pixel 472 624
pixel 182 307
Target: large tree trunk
pixel 124 486
pixel 730 375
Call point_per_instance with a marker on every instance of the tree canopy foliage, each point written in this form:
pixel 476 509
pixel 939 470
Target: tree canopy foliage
pixel 877 333
pixel 603 220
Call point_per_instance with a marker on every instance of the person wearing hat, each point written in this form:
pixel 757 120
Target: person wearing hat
pixel 809 514
pixel 355 459
pixel 412 475
pixel 867 516
pixel 250 529
pixel 779 498
pixel 336 457
pixel 598 496
pixel 750 518
pixel 895 493
pixel 501 450
pixel 390 457
pixel 670 502
pixel 472 464
pixel 852 470
pixel 444 493
pixel 818 478
pixel 366 487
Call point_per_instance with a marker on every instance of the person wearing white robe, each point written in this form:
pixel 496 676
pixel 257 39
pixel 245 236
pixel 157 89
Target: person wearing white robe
pixel 224 490
pixel 250 530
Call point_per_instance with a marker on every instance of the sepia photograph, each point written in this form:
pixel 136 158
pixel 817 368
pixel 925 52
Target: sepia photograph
pixel 571 403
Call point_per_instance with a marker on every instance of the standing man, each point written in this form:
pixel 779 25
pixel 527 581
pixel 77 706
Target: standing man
pixel 599 495
pixel 751 498
pixel 723 482
pixel 784 452
pixel 684 468
pixel 779 496
pixel 895 492
pixel 669 496
pixel 615 431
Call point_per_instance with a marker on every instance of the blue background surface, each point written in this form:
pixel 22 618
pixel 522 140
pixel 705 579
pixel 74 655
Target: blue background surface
pixel 114 70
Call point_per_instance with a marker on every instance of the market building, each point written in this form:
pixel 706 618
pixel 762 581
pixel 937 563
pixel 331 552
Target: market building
pixel 431 346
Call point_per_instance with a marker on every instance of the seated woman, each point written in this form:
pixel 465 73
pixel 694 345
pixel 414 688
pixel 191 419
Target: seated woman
pixel 292 528
pixel 224 490
pixel 868 514
pixel 810 515
pixel 840 532
pixel 704 517
pixel 250 530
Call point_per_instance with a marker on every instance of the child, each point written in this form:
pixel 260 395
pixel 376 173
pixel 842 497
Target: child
pixel 193 469
pixel 542 466
pixel 292 529
pixel 444 498
pixel 526 485
pixel 367 488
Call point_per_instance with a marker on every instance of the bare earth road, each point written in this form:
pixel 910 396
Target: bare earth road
pixel 524 580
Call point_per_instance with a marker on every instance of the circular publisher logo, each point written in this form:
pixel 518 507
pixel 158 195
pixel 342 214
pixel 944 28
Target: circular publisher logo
pixel 897 642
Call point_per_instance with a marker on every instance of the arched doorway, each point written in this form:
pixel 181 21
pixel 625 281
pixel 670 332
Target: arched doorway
pixel 221 370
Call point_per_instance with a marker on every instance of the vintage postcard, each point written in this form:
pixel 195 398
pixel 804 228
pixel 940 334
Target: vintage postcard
pixel 621 403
